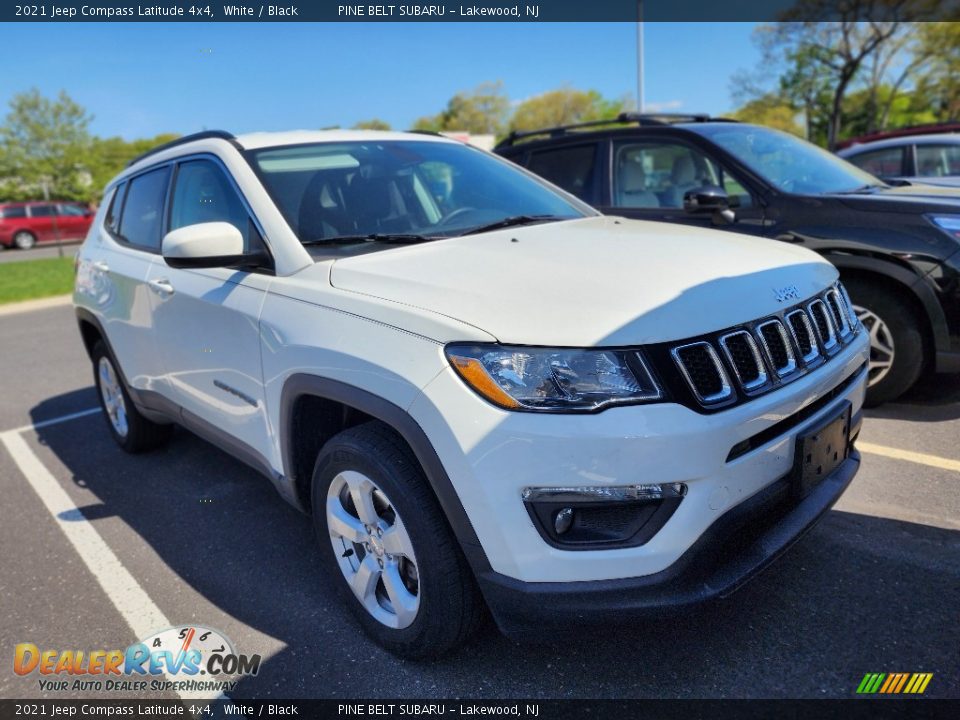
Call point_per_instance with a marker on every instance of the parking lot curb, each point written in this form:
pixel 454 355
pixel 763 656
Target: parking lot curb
pixel 30 305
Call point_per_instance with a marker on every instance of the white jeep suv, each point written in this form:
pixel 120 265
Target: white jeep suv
pixel 486 394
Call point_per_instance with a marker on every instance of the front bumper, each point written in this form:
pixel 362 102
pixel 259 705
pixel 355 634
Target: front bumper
pixel 491 455
pixel 735 548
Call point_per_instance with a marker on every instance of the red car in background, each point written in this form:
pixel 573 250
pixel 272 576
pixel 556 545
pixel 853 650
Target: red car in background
pixel 24 224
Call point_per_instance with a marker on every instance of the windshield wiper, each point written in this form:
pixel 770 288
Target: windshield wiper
pixel 512 221
pixel 399 238
pixel 862 189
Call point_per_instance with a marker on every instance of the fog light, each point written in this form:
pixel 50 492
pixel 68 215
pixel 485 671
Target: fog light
pixel 563 520
pixel 601 516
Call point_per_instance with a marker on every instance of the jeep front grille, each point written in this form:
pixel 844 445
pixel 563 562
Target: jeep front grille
pixel 803 335
pixel 744 355
pixel 773 337
pixel 766 353
pixel 703 370
pixel 824 324
pixel 840 316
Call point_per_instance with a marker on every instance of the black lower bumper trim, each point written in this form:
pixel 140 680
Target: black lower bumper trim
pixel 734 549
pixel 948 362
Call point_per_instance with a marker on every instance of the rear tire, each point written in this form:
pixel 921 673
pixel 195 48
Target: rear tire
pixel 896 341
pixel 24 240
pixel 131 430
pixel 399 535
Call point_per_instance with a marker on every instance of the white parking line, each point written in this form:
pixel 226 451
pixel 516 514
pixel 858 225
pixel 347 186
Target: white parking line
pixel 136 607
pixel 122 589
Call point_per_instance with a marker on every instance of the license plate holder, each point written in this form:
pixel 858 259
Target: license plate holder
pixel 820 450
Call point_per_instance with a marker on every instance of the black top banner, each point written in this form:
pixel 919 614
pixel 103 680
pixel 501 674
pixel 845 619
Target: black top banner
pixel 532 11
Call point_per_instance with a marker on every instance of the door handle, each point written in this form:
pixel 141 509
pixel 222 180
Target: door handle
pixel 101 266
pixel 161 287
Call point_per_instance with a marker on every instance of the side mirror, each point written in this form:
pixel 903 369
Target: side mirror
pixel 706 199
pixel 709 199
pixel 205 245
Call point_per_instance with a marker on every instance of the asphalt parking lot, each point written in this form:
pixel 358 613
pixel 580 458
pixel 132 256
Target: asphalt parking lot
pixel 874 588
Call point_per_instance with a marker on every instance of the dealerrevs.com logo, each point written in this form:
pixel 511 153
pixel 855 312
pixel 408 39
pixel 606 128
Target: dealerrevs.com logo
pixel 185 658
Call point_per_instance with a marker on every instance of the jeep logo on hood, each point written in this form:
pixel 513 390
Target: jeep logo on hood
pixel 789 292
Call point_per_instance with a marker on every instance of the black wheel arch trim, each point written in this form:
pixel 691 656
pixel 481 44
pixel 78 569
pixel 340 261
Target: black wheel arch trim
pixel 85 315
pixel 919 289
pixel 302 384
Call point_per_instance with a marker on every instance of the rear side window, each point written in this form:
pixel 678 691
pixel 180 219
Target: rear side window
pixel 882 163
pixel 570 168
pixel 112 220
pixel 42 211
pixel 142 220
pixel 13 212
pixel 74 210
pixel 938 160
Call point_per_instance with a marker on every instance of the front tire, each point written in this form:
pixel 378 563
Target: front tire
pixel 387 546
pixel 896 342
pixel 131 430
pixel 24 240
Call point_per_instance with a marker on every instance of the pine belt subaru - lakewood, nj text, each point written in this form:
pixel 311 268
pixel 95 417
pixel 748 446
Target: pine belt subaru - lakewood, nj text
pixel 486 394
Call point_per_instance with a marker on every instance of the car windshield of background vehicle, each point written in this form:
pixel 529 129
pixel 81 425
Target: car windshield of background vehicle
pixel 791 164
pixel 332 192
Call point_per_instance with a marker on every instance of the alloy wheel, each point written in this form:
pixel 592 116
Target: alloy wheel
pixel 112 395
pixel 882 350
pixel 23 240
pixel 373 549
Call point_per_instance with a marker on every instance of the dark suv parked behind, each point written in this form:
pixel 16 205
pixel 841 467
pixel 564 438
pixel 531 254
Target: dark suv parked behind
pixel 897 248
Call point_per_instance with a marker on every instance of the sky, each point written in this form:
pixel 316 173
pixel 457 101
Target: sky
pixel 139 80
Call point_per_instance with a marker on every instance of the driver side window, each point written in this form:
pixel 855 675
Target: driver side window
pixel 203 194
pixel 653 174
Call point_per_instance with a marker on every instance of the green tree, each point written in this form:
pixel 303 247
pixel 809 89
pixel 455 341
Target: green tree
pixel 484 110
pixel 824 59
pixel 870 45
pixel 373 124
pixel 939 87
pixel 44 144
pixel 564 106
pixel 900 109
pixel 770 110
pixel 108 156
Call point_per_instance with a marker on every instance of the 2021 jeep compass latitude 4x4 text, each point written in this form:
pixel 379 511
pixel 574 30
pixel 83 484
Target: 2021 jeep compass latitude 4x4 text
pixel 486 394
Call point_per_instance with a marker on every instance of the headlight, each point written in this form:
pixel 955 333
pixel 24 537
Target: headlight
pixel 948 223
pixel 554 379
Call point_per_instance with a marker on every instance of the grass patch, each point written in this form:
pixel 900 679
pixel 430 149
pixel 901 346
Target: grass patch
pixel 30 279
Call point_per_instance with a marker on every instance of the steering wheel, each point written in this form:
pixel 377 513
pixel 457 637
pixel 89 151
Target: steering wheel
pixel 454 214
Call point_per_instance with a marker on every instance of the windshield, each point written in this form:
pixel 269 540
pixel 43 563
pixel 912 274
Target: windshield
pixel 792 164
pixel 400 188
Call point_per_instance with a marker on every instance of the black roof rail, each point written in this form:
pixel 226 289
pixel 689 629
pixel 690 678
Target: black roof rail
pixel 624 118
pixel 221 134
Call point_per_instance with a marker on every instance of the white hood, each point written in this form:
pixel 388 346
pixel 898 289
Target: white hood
pixel 598 281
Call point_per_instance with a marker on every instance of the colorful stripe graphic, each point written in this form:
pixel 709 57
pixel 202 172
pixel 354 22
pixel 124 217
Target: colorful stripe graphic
pixel 894 683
